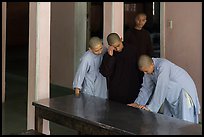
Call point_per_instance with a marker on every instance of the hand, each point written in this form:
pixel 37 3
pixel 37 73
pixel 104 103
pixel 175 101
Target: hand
pixel 135 105
pixel 110 50
pixel 145 108
pixel 77 92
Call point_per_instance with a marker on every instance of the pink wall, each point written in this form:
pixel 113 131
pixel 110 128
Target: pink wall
pixel 39 59
pixel 118 18
pixel 184 42
pixel 62 43
pixel 68 40
pixel 107 20
pixel 113 19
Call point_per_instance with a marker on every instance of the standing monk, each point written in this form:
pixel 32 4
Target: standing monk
pixel 140 40
pixel 120 71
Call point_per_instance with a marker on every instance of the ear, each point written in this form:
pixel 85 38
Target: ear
pixel 145 21
pixel 121 39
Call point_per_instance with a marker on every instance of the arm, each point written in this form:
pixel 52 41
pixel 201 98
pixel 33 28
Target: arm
pixel 110 50
pixel 80 75
pixel 107 66
pixel 161 89
pixel 146 90
pixel 144 94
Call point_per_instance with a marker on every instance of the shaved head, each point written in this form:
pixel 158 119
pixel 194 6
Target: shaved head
pixel 94 41
pixel 112 38
pixel 144 61
pixel 140 14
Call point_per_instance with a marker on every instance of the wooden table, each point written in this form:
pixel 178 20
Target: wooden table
pixel 92 115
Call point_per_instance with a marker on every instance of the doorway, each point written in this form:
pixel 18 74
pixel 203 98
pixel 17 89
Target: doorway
pixel 17 35
pixel 16 67
pixel 152 10
pixel 94 20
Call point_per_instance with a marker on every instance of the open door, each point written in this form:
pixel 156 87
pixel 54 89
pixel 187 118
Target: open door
pixel 94 20
pixel 152 10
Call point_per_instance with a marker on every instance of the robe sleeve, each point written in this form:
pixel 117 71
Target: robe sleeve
pixel 80 74
pixel 160 92
pixel 146 90
pixel 107 66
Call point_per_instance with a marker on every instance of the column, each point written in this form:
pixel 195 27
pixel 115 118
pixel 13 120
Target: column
pixel 39 59
pixel 113 19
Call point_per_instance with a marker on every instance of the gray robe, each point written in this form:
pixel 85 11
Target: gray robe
pixel 88 78
pixel 172 86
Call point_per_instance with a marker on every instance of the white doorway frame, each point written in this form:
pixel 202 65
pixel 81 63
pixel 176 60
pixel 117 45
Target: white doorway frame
pixel 4 5
pixel 162 30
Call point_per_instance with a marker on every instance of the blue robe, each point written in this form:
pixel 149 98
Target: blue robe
pixel 173 86
pixel 88 78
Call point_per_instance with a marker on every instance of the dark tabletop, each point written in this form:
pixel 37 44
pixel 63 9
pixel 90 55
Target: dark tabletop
pixel 116 116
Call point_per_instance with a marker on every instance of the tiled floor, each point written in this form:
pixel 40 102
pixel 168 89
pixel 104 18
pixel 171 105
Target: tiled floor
pixel 14 110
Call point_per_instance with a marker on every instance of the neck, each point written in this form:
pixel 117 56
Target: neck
pixel 138 28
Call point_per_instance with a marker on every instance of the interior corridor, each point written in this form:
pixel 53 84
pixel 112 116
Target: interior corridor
pixel 14 110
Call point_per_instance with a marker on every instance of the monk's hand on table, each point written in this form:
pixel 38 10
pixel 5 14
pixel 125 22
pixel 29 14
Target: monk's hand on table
pixel 145 108
pixel 138 106
pixel 135 105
